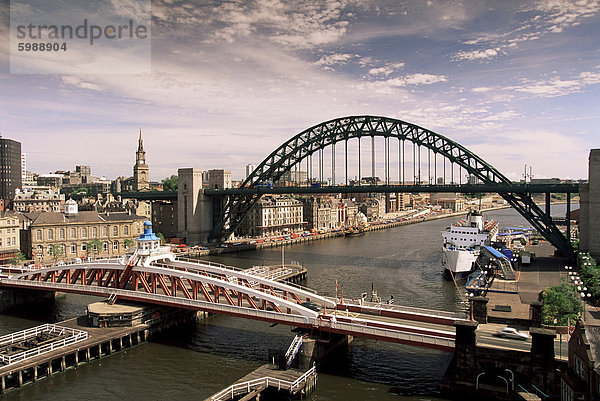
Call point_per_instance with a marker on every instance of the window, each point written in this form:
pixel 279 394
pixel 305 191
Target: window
pixel 116 246
pixel 83 232
pixel 83 247
pixel 579 367
pixel 94 232
pixel 105 246
pixel 126 230
pixel 567 393
pixel 115 231
pixel 50 234
pixel 73 233
pixel 39 250
pixel 105 231
pixel 1 242
pixel 61 233
pixel 38 235
pixel 73 248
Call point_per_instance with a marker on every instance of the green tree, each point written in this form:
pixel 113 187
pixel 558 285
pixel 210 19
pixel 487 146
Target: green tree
pixel 128 243
pixel 94 246
pixel 590 274
pixel 170 184
pixel 19 257
pixel 162 237
pixel 561 304
pixel 56 250
pixel 79 190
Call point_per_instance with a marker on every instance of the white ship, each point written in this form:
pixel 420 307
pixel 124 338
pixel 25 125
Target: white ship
pixel 463 240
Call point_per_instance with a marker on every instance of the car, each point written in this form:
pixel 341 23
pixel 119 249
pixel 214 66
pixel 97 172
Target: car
pixel 313 306
pixel 511 332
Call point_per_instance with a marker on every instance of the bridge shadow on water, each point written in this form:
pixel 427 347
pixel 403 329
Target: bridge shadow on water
pixel 393 368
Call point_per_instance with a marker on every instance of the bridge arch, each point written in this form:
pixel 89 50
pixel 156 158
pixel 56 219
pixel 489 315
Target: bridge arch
pixel 320 136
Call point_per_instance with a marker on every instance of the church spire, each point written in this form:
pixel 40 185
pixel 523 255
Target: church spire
pixel 140 169
pixel 140 143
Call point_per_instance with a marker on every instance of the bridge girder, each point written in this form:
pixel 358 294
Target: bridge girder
pixel 315 138
pixel 193 280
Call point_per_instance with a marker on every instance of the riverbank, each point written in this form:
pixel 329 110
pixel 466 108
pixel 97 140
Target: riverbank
pixel 373 226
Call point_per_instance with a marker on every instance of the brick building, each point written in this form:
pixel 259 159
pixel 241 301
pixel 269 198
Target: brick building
pixel 580 381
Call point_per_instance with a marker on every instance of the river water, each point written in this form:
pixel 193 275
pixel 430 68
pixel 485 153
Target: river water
pixel 195 363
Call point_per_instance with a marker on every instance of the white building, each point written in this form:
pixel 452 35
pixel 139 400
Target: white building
pixel 273 215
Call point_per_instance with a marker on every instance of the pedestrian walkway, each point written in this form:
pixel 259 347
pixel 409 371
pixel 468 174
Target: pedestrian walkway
pixel 546 270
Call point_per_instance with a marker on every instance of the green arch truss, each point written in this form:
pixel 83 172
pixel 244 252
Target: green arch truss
pixel 295 150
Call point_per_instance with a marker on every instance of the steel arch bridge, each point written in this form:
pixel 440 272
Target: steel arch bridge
pixel 316 138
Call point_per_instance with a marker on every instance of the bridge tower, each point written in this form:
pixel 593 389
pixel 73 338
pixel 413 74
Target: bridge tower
pixel 589 217
pixel 194 208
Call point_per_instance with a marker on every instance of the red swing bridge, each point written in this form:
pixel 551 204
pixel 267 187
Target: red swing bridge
pixel 151 274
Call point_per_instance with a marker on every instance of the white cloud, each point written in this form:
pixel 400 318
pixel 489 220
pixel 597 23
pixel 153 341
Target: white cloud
pixel 481 89
pixel 386 69
pixel 486 54
pixel 80 83
pixel 419 79
pixel 552 16
pixel 556 86
pixel 333 59
pixel 291 24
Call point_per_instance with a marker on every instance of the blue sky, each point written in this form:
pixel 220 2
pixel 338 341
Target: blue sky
pixel 517 82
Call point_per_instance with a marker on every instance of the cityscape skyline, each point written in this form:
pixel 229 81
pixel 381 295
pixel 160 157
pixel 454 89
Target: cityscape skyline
pixel 251 75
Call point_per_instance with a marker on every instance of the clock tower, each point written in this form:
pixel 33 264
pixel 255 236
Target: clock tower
pixel 141 181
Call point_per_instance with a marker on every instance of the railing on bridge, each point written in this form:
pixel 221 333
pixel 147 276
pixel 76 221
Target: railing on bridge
pixel 237 269
pixel 387 334
pixel 406 309
pixel 263 382
pixel 72 336
pixel 293 349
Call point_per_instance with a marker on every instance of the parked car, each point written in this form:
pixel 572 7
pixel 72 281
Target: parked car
pixel 510 332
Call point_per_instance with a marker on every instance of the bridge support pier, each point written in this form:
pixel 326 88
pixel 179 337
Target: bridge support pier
pixel 319 347
pixel 479 309
pixel 12 298
pixel 535 314
pixel 542 359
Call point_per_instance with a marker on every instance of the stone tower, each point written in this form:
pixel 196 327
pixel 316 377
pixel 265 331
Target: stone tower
pixel 141 180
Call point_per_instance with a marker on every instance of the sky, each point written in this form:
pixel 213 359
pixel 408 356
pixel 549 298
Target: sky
pixel 516 82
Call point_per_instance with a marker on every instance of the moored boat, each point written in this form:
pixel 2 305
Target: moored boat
pixel 463 240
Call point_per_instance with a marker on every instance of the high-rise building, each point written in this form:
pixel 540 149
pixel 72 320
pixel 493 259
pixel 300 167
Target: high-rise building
pixel 23 167
pixel 249 169
pixel 10 168
pixel 141 181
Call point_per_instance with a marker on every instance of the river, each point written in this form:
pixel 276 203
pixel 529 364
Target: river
pixel 191 365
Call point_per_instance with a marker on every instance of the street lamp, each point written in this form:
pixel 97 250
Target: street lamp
pixel 584 295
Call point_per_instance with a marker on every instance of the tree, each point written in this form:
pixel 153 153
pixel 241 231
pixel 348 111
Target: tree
pixel 590 274
pixel 56 250
pixel 79 190
pixel 170 184
pixel 128 243
pixel 162 238
pixel 94 246
pixel 19 257
pixel 561 304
